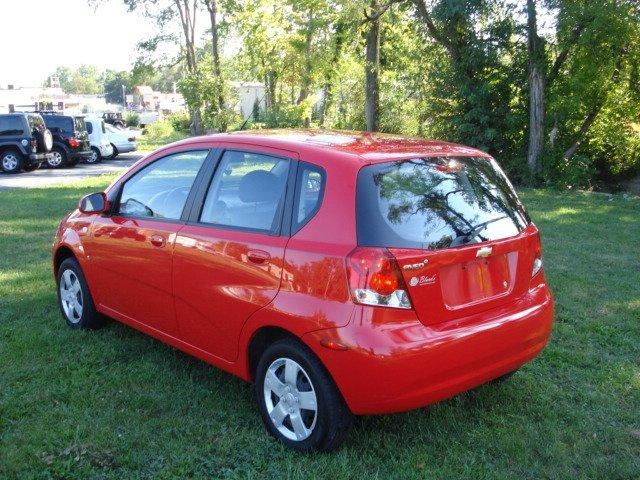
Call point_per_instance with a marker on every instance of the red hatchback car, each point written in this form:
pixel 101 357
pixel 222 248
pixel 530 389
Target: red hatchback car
pixel 342 273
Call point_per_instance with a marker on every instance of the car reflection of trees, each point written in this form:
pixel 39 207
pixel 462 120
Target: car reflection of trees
pixel 323 278
pixel 426 191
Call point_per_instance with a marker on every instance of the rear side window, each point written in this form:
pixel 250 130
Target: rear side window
pixel 59 124
pixel 11 125
pixel 161 189
pixel 247 192
pixel 89 127
pixel 436 203
pixel 308 196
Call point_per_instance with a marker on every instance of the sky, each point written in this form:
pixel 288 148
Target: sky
pixel 48 33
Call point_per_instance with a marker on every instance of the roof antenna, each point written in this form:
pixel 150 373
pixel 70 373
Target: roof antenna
pixel 244 124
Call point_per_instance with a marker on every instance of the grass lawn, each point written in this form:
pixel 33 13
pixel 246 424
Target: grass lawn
pixel 116 404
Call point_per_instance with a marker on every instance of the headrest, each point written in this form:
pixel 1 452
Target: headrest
pixel 259 186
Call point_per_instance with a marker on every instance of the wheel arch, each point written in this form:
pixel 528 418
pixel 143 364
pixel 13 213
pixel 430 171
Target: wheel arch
pixel 259 341
pixel 61 254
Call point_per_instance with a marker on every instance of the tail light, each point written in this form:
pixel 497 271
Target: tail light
pixel 537 262
pixel 74 142
pixel 537 266
pixel 375 279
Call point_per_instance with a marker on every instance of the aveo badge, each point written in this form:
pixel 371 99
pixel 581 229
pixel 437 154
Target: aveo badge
pixel 422 280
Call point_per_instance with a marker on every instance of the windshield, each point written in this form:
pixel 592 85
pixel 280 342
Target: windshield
pixel 435 203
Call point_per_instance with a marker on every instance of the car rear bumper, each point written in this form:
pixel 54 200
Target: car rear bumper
pixel 126 147
pixel 78 156
pixel 39 157
pixel 396 366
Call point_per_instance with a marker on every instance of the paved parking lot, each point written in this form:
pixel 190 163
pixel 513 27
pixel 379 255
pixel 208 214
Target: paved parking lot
pixel 46 176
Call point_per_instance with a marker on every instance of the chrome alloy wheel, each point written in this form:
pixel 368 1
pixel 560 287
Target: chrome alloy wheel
pixel 290 399
pixel 55 160
pixel 10 162
pixel 94 157
pixel 71 296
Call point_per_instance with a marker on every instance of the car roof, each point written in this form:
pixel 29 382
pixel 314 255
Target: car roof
pixel 364 147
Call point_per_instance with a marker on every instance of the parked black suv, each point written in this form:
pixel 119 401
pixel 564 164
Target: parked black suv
pixel 25 142
pixel 70 139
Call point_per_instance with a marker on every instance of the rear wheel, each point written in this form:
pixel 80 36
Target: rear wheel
pixel 298 401
pixel 57 159
pixel 11 161
pixel 95 157
pixel 74 298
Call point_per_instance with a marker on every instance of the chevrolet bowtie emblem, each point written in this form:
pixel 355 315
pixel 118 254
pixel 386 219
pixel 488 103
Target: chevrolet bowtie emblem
pixel 484 252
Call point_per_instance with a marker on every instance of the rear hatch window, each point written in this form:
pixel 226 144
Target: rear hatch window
pixel 456 228
pixel 435 203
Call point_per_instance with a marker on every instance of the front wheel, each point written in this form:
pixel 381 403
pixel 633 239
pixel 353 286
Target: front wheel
pixel 95 157
pixel 74 298
pixel 298 401
pixel 11 161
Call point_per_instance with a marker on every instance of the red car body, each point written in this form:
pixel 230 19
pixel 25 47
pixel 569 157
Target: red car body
pixel 212 292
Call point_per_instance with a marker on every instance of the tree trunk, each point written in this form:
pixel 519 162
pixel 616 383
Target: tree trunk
pixel 212 6
pixel 327 97
pixel 305 84
pixel 372 70
pixel 584 128
pixel 536 90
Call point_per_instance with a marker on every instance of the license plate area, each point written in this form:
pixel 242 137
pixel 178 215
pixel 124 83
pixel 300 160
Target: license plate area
pixel 478 280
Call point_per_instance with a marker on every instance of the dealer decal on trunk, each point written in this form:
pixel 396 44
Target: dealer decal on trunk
pixel 422 280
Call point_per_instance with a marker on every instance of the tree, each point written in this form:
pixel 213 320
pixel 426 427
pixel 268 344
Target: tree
pixel 536 89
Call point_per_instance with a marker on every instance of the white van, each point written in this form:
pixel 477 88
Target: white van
pixel 100 145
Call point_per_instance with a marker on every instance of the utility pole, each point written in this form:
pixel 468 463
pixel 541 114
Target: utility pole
pixel 124 97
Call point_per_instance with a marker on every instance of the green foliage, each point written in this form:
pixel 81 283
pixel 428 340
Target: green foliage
pixel 180 121
pixel 132 119
pixel 158 134
pixel 202 92
pixel 82 80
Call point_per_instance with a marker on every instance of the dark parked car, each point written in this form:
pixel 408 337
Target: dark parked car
pixel 70 140
pixel 114 118
pixel 25 142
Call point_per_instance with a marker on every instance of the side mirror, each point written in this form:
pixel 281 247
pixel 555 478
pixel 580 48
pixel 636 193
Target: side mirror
pixel 94 203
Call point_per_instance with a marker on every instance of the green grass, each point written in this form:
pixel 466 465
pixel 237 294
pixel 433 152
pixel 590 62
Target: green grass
pixel 116 404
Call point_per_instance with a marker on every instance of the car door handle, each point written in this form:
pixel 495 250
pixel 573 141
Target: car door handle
pixel 258 256
pixel 157 240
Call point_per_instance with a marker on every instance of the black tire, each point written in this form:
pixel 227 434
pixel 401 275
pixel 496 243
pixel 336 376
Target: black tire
pixel 96 157
pixel 11 161
pixel 115 152
pixel 89 318
pixel 59 158
pixel 333 419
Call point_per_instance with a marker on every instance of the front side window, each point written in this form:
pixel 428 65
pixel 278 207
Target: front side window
pixel 11 125
pixel 161 189
pixel 436 203
pixel 247 192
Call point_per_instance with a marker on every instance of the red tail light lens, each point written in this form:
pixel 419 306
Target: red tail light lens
pixel 537 262
pixel 74 142
pixel 375 279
